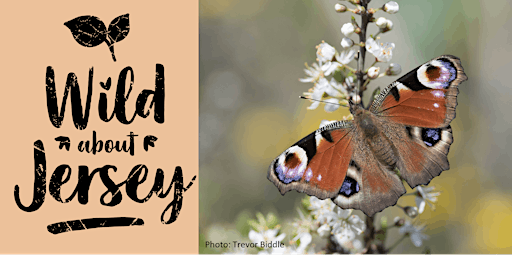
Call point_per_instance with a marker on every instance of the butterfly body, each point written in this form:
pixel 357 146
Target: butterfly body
pixel 405 134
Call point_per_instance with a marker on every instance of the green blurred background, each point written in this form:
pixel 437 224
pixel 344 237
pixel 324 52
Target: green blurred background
pixel 252 53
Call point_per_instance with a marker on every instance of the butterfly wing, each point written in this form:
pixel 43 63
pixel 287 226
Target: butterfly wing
pixel 424 97
pixel 317 164
pixel 416 111
pixel 380 187
pixel 334 162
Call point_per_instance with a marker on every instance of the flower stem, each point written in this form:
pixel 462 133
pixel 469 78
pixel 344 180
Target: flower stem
pixel 365 18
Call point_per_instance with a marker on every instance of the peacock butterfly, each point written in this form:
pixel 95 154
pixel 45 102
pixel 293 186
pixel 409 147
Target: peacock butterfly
pixel 404 134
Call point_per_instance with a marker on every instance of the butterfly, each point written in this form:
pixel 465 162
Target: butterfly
pixel 404 134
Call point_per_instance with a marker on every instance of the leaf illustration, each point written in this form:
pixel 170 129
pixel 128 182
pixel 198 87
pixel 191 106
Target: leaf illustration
pixel 88 31
pixel 117 31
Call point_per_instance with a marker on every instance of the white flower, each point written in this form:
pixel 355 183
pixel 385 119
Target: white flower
pixel 318 92
pixel 331 105
pixel 373 72
pixel 391 7
pixel 383 52
pixel 347 29
pixel 265 236
pixel 304 241
pixel 346 42
pixel 345 220
pixel 342 58
pixel 346 56
pixel 325 52
pixel 346 235
pixel 393 69
pixel 414 232
pixel 314 73
pixel 381 22
pixel 426 196
pixel 330 67
pixel 335 89
pixel 324 230
pixel 322 210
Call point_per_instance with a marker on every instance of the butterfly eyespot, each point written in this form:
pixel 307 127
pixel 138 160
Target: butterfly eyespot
pixel 437 74
pixel 349 187
pixel 291 165
pixel 431 136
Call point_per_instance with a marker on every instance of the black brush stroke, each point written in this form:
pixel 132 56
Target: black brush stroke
pixel 74 225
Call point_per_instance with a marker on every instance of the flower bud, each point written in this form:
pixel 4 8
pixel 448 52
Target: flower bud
pixel 356 99
pixel 393 69
pixel 373 72
pixel 411 211
pixel 389 26
pixel 391 7
pixel 346 42
pixel 381 22
pixel 347 29
pixel 340 8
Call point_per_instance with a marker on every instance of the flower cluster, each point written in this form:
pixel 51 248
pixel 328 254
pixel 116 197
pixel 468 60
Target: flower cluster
pixel 345 231
pixel 333 78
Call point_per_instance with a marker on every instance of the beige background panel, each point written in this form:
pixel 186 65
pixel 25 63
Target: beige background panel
pixel 34 37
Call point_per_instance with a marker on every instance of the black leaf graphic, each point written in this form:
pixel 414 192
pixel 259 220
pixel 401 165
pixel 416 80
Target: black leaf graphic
pixel 63 142
pixel 90 31
pixel 148 141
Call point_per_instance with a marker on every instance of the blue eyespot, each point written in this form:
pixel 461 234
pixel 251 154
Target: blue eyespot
pixel 431 136
pixel 349 187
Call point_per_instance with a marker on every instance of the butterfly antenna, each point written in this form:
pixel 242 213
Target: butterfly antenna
pixel 358 70
pixel 326 102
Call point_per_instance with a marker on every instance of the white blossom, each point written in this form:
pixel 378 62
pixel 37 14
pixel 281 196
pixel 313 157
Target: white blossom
pixel 324 230
pixel 335 89
pixel 346 42
pixel 414 232
pixel 426 196
pixel 382 51
pixel 314 73
pixel 347 29
pixel 344 219
pixel 321 209
pixel 331 105
pixel 325 52
pixel 317 92
pixel 346 56
pixel 391 7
